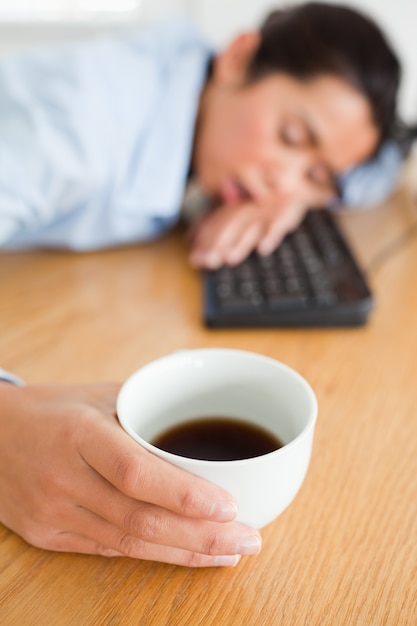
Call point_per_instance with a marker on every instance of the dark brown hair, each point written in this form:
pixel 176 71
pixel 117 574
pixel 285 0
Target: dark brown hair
pixel 315 38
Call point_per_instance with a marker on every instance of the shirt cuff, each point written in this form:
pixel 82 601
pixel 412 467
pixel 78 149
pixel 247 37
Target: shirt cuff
pixel 11 378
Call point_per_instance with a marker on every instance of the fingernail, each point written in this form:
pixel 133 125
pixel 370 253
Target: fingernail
pixel 223 511
pixel 227 560
pixel 110 552
pixel 213 260
pixel 265 248
pixel 234 257
pixel 248 545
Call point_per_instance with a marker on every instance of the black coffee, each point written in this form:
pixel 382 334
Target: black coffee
pixel 217 439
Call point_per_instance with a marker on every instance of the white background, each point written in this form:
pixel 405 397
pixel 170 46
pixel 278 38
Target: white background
pixel 23 22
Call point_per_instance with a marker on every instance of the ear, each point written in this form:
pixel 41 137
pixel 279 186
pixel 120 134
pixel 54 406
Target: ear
pixel 230 66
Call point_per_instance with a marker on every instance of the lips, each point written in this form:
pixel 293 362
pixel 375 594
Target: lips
pixel 232 191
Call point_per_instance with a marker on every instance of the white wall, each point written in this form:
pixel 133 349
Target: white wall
pixel 222 19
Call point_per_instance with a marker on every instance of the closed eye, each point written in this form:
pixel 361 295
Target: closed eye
pixel 293 133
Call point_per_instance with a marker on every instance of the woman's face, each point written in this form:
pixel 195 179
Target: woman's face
pixel 279 139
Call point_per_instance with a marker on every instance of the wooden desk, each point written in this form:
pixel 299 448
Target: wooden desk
pixel 345 551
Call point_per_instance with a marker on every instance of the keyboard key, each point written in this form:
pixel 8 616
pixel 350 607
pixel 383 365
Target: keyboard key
pixel 239 305
pixel 285 301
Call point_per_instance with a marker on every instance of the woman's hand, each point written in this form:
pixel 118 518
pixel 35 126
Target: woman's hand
pixel 72 480
pixel 228 234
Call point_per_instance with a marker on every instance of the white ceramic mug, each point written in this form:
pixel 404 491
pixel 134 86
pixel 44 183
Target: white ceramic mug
pixel 223 382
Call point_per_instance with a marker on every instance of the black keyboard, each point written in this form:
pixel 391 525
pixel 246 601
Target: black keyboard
pixel 311 279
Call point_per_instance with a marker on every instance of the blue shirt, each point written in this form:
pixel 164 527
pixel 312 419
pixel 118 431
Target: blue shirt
pixel 372 182
pixel 96 138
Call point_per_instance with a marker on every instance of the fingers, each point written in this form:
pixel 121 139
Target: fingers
pixel 147 508
pixel 231 232
pixel 150 532
pixel 74 542
pixel 112 524
pixel 143 476
pixel 140 521
pixel 227 236
pixel 278 228
pixel 215 235
pixel 65 541
pixel 245 242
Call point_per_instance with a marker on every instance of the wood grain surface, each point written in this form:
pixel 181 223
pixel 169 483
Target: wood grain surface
pixel 345 551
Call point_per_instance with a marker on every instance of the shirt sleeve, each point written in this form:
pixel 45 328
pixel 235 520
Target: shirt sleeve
pixel 10 378
pixel 96 137
pixel 68 116
pixel 372 182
